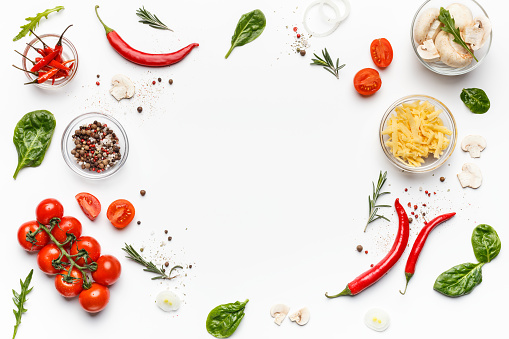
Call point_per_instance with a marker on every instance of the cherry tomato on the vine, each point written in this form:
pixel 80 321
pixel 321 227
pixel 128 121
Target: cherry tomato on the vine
pixel 108 270
pixel 120 213
pixel 46 256
pixel 367 81
pixel 89 204
pixel 69 225
pixel 90 245
pixel 71 288
pixel 381 52
pixel 48 209
pixel 41 238
pixel 95 298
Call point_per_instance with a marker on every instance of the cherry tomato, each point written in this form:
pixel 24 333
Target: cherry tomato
pixel 69 225
pixel 46 256
pixel 381 52
pixel 71 288
pixel 48 209
pixel 41 238
pixel 108 270
pixel 95 298
pixel 89 204
pixel 367 81
pixel 90 245
pixel 120 213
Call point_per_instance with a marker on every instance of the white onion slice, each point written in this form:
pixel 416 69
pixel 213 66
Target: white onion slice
pixel 346 3
pixel 168 301
pixel 337 20
pixel 377 319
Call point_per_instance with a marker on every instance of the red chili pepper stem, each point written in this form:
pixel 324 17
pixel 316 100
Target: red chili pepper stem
pixel 106 28
pixel 25 70
pixel 43 43
pixel 59 43
pixel 24 56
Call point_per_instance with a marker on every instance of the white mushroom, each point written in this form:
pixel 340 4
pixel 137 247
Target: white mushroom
pixel 470 176
pixel 462 15
pixel 377 319
pixel 451 53
pixel 477 34
pixel 428 52
pixel 434 29
pixel 279 312
pixel 122 88
pixel 473 144
pixel 423 24
pixel 301 317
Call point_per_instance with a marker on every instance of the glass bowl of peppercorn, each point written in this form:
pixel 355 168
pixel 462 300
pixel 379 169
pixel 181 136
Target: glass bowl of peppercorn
pixel 95 145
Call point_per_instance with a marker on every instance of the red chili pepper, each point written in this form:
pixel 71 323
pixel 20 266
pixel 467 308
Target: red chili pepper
pixel 374 274
pixel 59 47
pixel 44 61
pixel 43 77
pixel 142 58
pixel 47 50
pixel 419 244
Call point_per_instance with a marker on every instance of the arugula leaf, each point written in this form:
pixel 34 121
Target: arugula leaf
pixel 19 300
pixel 450 27
pixel 34 21
pixel 249 27
pixel 486 243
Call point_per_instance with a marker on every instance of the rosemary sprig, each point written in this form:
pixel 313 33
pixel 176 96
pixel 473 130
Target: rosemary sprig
pixel 150 19
pixel 373 208
pixel 150 266
pixel 327 63
pixel 19 300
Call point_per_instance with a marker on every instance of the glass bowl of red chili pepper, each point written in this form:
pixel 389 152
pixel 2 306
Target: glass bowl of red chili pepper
pixel 95 145
pixel 64 67
pixel 418 133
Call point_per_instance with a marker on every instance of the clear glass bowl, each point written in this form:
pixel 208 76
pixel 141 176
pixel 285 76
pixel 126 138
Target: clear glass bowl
pixel 439 67
pixel 431 163
pixel 68 53
pixel 68 145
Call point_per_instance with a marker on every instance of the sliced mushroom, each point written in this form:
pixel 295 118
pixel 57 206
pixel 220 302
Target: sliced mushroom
pixel 470 176
pixel 423 24
pixel 462 15
pixel 451 53
pixel 477 34
pixel 428 52
pixel 434 30
pixel 279 312
pixel 301 317
pixel 473 144
pixel 123 87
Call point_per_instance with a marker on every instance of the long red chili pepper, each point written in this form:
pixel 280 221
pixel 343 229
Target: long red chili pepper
pixel 419 244
pixel 142 58
pixel 44 61
pixel 371 276
pixel 59 47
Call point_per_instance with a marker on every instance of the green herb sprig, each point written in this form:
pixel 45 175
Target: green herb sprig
pixel 450 27
pixel 33 22
pixel 150 266
pixel 150 19
pixel 19 300
pixel 327 63
pixel 373 208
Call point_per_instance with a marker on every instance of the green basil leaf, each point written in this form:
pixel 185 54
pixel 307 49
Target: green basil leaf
pixel 224 319
pixel 32 137
pixel 249 27
pixel 476 100
pixel 459 280
pixel 486 243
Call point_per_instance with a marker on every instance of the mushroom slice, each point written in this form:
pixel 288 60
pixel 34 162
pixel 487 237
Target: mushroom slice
pixel 301 317
pixel 451 53
pixel 377 319
pixel 473 144
pixel 462 15
pixel 428 52
pixel 123 87
pixel 168 301
pixel 470 176
pixel 477 34
pixel 423 24
pixel 434 30
pixel 279 312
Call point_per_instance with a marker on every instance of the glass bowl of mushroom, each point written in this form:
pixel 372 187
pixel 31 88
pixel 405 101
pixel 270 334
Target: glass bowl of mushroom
pixel 444 52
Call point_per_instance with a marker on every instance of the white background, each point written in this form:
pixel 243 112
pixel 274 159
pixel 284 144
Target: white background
pixel 260 167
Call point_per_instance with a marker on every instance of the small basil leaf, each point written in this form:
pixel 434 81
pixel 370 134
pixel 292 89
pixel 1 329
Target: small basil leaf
pixel 486 243
pixel 249 27
pixel 32 137
pixel 476 100
pixel 224 319
pixel 459 280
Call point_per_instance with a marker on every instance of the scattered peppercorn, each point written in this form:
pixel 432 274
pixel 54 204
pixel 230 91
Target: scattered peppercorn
pixel 423 214
pixel 98 76
pixel 159 79
pixel 366 252
pixel 153 82
pixel 190 266
pixel 165 231
pixel 298 36
pixel 140 109
pixel 170 81
pixel 141 249
pixel 372 265
pixel 143 192
pixel 410 220
pixel 97 83
pixel 166 264
pixel 359 248
pixel 164 270
pixel 169 238
pixel 406 189
pixel 139 222
pixel 442 179
pixel 302 52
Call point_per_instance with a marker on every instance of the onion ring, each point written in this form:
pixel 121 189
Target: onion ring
pixel 338 18
pixel 346 3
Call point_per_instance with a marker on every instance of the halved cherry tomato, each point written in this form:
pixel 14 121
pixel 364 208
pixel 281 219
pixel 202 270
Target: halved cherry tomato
pixel 30 227
pixel 89 204
pixel 66 225
pixel 381 52
pixel 120 213
pixel 46 256
pixel 108 270
pixel 367 81
pixel 88 244
pixel 70 288
pixel 95 298
pixel 48 209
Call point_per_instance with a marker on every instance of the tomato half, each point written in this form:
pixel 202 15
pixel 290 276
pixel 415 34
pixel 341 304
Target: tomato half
pixel 66 225
pixel 48 209
pixel 41 238
pixel 95 298
pixel 367 81
pixel 120 213
pixel 88 244
pixel 381 52
pixel 108 270
pixel 72 287
pixel 46 256
pixel 89 204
